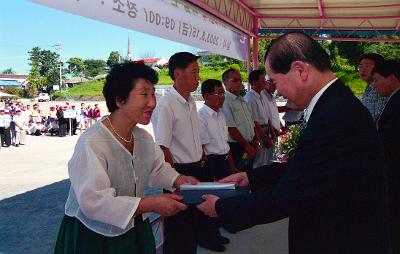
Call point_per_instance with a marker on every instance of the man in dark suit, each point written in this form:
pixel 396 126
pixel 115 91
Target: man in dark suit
pixel 387 84
pixel 333 189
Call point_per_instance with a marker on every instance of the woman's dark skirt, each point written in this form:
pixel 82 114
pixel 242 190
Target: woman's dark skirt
pixel 76 238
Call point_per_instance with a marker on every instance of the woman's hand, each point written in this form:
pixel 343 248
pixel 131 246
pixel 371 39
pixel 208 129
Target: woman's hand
pixel 181 179
pixel 163 204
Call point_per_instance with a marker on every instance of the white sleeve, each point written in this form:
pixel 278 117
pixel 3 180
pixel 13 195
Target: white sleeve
pixel 162 174
pixel 162 125
pixel 203 130
pixel 96 198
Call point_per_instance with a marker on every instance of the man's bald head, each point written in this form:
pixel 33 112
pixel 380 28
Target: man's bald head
pixel 296 46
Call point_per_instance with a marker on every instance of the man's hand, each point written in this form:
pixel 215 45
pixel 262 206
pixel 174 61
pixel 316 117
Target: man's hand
pixel 239 179
pixel 251 152
pixel 181 179
pixel 208 206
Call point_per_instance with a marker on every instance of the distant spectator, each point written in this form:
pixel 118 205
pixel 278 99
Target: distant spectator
pixel 20 127
pixel 371 99
pixel 82 124
pixel 5 134
pixel 96 113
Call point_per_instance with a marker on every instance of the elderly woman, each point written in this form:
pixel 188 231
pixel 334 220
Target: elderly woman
pixel 112 163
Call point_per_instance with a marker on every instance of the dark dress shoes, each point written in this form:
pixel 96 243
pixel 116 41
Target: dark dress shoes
pixel 223 240
pixel 212 246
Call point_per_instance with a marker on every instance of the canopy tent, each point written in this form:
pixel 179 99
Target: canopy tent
pixel 226 26
pixel 346 20
pixel 9 83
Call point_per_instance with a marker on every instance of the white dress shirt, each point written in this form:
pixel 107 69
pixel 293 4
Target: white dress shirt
pixel 213 131
pixel 310 107
pixel 107 181
pixel 176 127
pixel 238 115
pixel 258 106
pixel 273 109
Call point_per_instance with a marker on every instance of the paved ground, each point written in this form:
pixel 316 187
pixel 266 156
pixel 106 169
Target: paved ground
pixel 33 189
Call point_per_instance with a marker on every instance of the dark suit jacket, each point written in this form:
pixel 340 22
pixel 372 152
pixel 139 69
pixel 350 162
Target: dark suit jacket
pixel 333 190
pixel 389 133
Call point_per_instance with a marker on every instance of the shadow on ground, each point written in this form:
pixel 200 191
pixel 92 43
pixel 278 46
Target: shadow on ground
pixel 29 222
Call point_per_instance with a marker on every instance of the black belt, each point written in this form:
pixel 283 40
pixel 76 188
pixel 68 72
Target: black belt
pixel 218 156
pixel 191 164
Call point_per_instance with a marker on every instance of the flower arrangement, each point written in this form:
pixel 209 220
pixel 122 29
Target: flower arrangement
pixel 287 143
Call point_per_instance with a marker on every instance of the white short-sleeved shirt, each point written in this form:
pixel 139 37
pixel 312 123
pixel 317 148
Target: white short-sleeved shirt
pixel 107 181
pixel 176 127
pixel 273 109
pixel 5 120
pixel 238 115
pixel 213 131
pixel 258 106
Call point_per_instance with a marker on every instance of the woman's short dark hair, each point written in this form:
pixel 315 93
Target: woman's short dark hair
pixel 122 79
pixel 209 85
pixel 296 46
pixel 388 67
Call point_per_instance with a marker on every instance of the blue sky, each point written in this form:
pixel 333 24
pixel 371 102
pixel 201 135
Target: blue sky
pixel 24 25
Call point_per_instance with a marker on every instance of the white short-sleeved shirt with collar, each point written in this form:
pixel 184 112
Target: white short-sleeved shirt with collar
pixel 258 106
pixel 107 181
pixel 176 127
pixel 273 109
pixel 213 131
pixel 238 115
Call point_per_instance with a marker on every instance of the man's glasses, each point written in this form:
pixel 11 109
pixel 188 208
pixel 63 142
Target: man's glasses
pixel 220 95
pixel 234 79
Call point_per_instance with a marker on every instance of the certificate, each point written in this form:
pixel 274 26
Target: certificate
pixel 208 186
pixel 194 197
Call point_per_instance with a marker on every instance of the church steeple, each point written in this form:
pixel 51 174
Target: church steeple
pixel 129 56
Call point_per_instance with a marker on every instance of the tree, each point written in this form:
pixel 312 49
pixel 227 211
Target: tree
pixel 114 58
pixel 8 71
pixel 76 66
pixel 94 67
pixel 45 67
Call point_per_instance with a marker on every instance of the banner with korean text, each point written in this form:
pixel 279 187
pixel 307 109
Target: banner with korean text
pixel 175 20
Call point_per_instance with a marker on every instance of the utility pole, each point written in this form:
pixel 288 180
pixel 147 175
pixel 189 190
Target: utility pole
pixel 60 62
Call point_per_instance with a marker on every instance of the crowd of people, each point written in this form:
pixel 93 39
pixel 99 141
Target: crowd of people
pixel 18 120
pixel 340 191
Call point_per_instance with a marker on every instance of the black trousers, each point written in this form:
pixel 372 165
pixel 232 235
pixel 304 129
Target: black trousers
pixel 5 136
pixel 238 151
pixel 62 129
pixel 184 230
pixel 218 166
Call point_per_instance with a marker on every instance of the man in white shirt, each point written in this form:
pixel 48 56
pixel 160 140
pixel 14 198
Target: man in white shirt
pixel 258 106
pixel 213 130
pixel 176 131
pixel 5 133
pixel 214 136
pixel 20 128
pixel 242 139
pixel 275 124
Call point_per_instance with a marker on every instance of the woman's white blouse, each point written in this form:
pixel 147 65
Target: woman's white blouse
pixel 107 182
